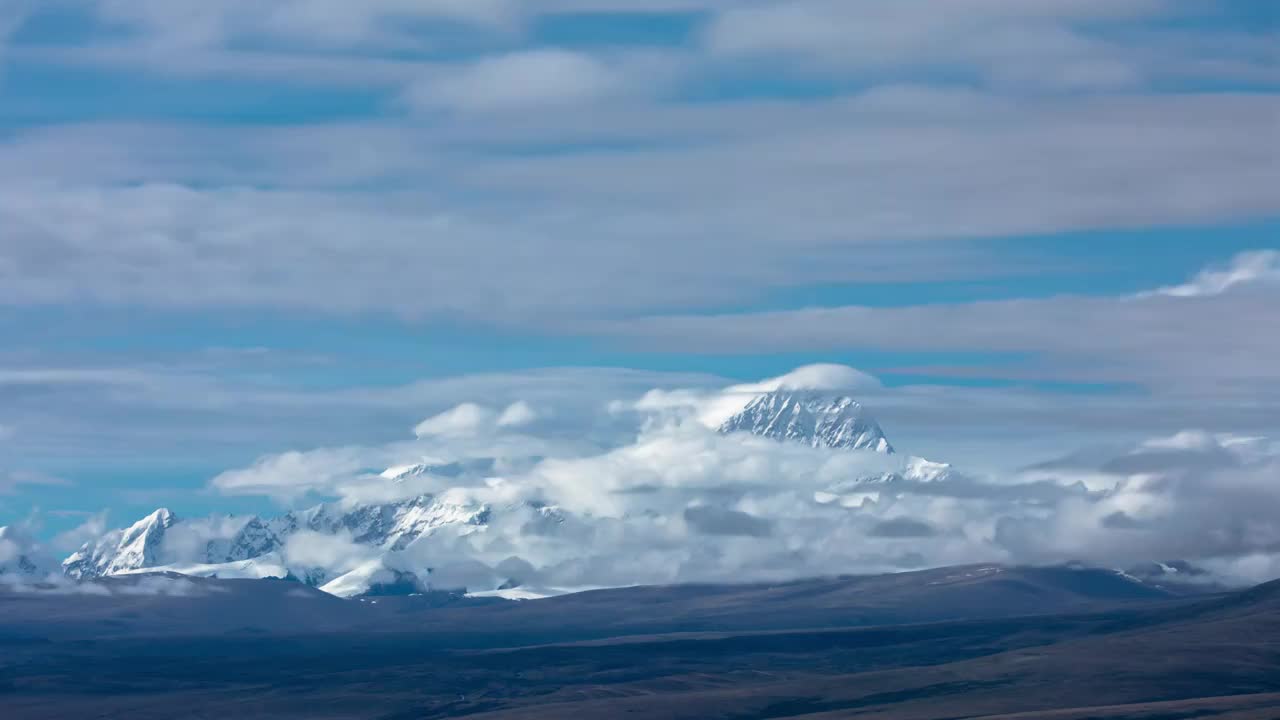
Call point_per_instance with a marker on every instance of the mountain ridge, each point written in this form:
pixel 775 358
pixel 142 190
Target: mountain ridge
pixel 257 547
pixel 813 418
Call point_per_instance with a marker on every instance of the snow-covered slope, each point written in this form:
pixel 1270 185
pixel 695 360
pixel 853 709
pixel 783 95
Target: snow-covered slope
pixel 271 565
pixel 375 578
pixel 813 418
pixel 359 549
pixel 257 548
pixel 135 547
pixel 256 538
pixel 391 526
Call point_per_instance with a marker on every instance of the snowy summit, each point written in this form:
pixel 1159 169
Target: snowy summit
pixel 814 418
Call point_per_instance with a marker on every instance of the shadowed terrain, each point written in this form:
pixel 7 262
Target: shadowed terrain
pixel 950 643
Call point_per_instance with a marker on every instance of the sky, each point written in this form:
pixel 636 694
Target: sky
pixel 233 230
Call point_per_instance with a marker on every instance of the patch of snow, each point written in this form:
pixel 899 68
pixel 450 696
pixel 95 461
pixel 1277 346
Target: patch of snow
pixel 267 566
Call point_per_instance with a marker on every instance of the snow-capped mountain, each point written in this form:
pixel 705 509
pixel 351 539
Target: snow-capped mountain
pixel 377 540
pixel 122 550
pixel 375 578
pixel 474 466
pixel 256 548
pixel 392 526
pixel 914 469
pixel 813 418
pixel 255 539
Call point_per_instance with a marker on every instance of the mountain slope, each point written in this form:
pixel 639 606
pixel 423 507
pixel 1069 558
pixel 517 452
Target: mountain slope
pixel 139 604
pixel 259 546
pixel 256 548
pixel 135 547
pixel 812 418
pixel 270 649
pixel 953 593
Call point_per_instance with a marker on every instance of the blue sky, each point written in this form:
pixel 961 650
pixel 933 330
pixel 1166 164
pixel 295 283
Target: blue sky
pixel 230 228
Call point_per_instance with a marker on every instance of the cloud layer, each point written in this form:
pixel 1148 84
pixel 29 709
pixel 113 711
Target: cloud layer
pixel 682 503
pixel 1205 331
pixel 517 176
pixel 533 237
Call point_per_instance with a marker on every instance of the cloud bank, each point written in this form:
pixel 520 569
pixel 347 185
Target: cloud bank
pixel 680 502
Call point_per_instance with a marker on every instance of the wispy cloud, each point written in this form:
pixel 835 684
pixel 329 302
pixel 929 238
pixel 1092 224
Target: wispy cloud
pixel 1205 332
pixel 1262 266
pixel 12 480
pixel 188 24
pixel 511 82
pixel 995 40
pixel 842 192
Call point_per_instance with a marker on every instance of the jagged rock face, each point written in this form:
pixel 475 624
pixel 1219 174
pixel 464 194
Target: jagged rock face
pixel 253 540
pixel 119 551
pixel 390 527
pixel 260 547
pixel 812 418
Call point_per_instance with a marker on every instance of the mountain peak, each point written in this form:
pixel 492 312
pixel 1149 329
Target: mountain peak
pixel 255 546
pixel 120 551
pixel 814 418
pixel 163 517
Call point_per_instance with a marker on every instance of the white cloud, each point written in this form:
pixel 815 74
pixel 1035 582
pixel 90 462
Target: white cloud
pixel 527 79
pixel 13 543
pixel 465 419
pixel 70 376
pixel 336 554
pixel 1249 569
pixel 1155 339
pixel 466 436
pixel 91 529
pixel 1061 46
pixel 293 474
pixel 165 217
pixel 1244 269
pixel 22 556
pixel 470 419
pixel 825 377
pixel 712 407
pixel 12 480
pixel 680 502
pixel 13 13
pixel 1196 496
pixel 235 409
pixel 56 584
pixel 517 414
pixel 1043 44
pixel 184 25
